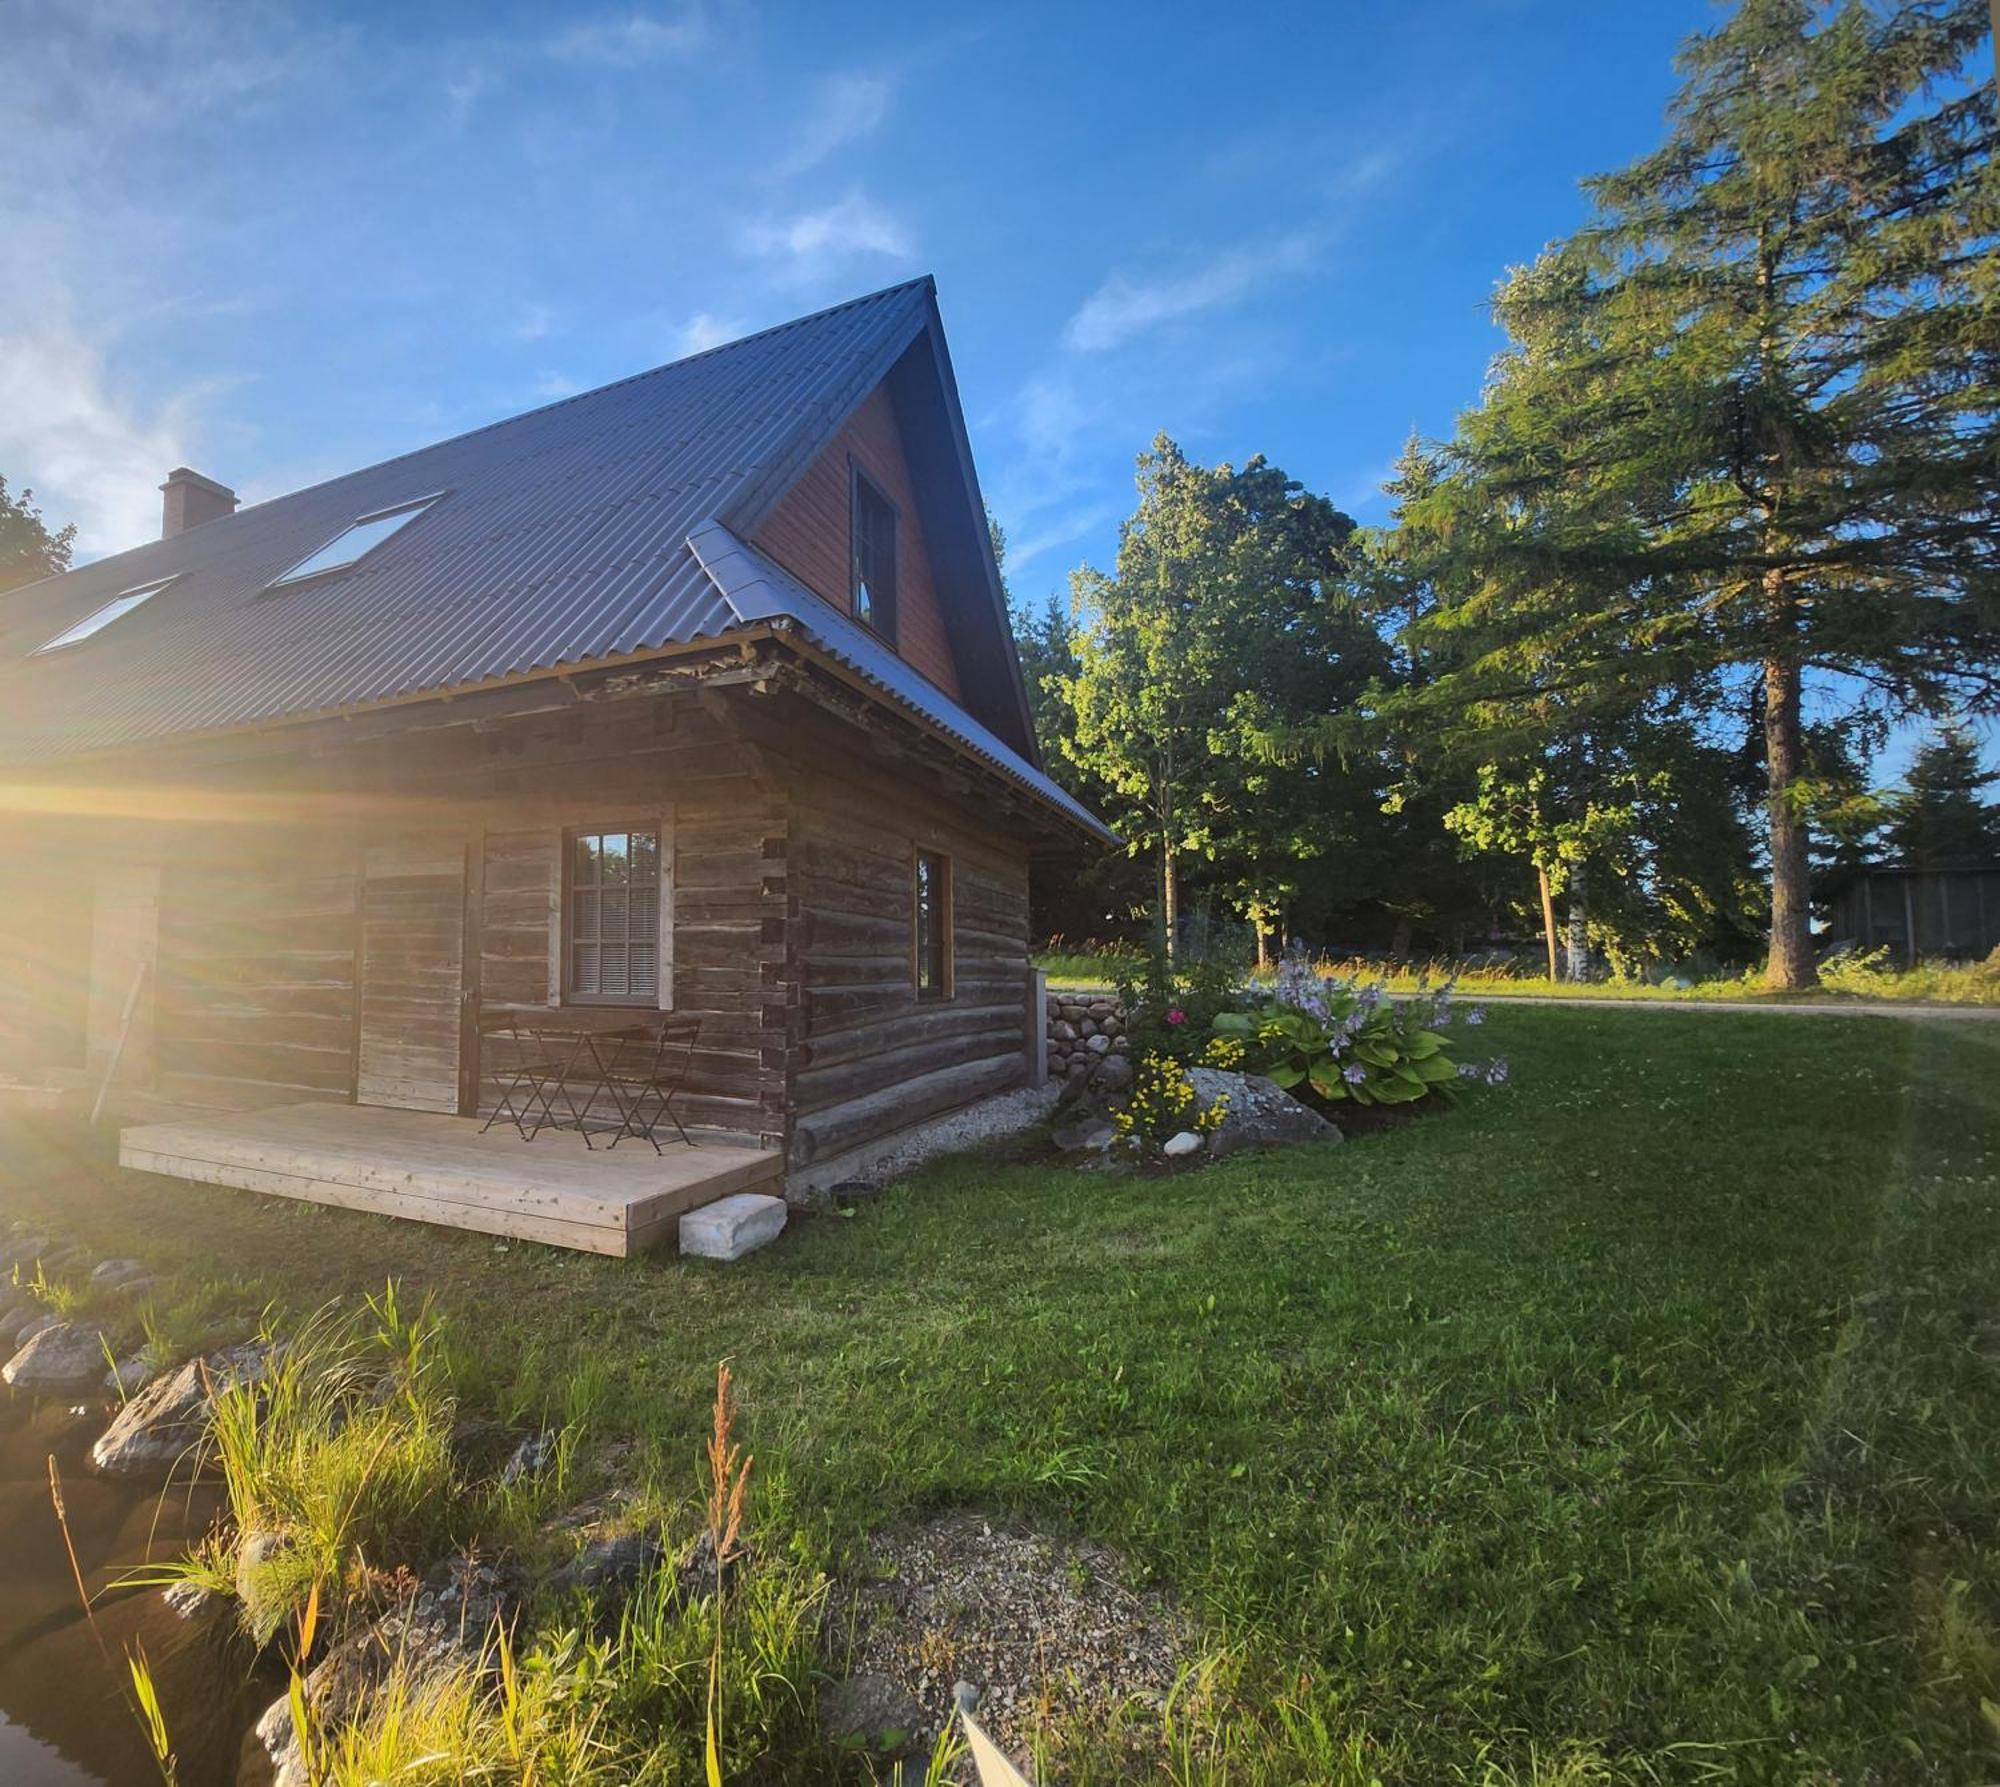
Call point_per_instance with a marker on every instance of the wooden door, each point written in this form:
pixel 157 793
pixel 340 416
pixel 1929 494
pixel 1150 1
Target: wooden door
pixel 412 973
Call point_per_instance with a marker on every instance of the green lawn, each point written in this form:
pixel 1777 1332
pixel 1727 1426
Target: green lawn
pixel 1638 1421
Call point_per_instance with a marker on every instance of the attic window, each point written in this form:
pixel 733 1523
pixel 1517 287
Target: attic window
pixel 874 533
pixel 354 542
pixel 100 618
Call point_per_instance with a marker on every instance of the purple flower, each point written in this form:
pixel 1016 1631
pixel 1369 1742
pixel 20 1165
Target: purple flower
pixel 1496 1071
pixel 1354 1073
pixel 1177 1017
pixel 1477 1015
pixel 1468 1070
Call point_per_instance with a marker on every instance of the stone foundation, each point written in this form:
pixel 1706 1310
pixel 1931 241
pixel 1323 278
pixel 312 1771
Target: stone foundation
pixel 1087 1040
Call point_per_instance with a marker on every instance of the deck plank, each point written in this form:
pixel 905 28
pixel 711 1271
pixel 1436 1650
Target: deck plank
pixel 442 1169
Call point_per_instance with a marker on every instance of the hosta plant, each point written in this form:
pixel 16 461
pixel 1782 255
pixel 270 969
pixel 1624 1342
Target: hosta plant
pixel 1331 1038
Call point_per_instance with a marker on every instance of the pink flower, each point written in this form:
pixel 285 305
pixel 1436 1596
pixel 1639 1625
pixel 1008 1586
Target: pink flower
pixel 1177 1017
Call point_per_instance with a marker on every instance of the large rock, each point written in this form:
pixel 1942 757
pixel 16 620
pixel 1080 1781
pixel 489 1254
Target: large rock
pixel 733 1226
pixel 166 1422
pixel 108 1274
pixel 447 1625
pixel 611 1566
pixel 23 1251
pixel 1092 1136
pixel 1260 1115
pixel 31 1323
pixel 870 1713
pixel 58 1360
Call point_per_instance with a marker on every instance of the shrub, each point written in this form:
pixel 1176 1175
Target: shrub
pixel 1171 1005
pixel 1162 1104
pixel 1332 1038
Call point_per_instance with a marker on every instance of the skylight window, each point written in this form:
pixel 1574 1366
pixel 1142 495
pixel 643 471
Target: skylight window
pixel 354 542
pixel 100 618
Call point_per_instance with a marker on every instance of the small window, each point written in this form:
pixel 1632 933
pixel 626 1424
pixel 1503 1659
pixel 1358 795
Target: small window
pixel 874 530
pixel 611 918
pixel 933 897
pixel 100 618
pixel 354 542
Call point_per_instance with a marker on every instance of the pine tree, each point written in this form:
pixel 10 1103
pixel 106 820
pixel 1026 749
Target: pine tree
pixel 1944 817
pixel 1746 426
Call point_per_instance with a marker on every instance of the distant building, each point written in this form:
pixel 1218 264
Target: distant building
pixel 1949 913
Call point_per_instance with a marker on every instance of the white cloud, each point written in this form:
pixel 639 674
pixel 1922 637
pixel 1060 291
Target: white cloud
pixel 813 245
pixel 1122 308
pixel 850 107
pixel 533 323
pixel 91 456
pixel 631 40
pixel 705 330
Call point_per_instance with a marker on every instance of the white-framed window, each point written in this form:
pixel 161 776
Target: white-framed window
pixel 613 884
pixel 100 618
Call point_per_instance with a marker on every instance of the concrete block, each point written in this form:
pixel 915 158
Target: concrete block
pixel 733 1226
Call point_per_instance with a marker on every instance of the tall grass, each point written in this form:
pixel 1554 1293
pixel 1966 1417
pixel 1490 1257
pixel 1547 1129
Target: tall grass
pixel 338 1458
pixel 1871 976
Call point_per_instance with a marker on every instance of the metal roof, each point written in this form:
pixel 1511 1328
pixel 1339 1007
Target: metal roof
pixel 561 538
pixel 758 589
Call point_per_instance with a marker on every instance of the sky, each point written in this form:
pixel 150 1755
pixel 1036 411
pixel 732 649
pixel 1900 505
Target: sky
pixel 277 242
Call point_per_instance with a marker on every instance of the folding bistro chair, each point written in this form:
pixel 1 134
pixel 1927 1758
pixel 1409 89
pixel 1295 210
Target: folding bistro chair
pixel 644 1074
pixel 529 1097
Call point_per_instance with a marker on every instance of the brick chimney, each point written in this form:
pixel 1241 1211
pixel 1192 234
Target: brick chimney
pixel 192 499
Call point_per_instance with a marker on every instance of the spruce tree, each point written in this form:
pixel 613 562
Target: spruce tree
pixel 1746 424
pixel 1945 818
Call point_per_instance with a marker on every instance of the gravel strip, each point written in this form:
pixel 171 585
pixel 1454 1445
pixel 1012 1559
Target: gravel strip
pixel 1045 1628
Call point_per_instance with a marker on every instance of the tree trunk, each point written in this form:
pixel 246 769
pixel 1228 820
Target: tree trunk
pixel 1579 924
pixel 1791 964
pixel 1170 898
pixel 1548 920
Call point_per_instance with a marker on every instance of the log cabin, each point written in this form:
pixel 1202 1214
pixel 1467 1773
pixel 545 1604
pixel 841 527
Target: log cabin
pixel 692 697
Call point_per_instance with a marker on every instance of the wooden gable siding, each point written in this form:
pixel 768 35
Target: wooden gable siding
pixel 867 1057
pixel 810 534
pixel 257 949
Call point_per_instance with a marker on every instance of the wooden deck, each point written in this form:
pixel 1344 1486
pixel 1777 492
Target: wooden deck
pixel 440 1169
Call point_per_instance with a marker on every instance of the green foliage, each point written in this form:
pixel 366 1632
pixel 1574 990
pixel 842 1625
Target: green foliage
pixel 338 1456
pixel 29 549
pixel 1170 1004
pixel 1229 616
pixel 1944 818
pixel 1329 1039
pixel 1162 1104
pixel 1747 428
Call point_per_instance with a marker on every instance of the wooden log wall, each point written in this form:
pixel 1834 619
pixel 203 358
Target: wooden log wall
pixel 867 1057
pixel 45 934
pixel 256 980
pixel 672 759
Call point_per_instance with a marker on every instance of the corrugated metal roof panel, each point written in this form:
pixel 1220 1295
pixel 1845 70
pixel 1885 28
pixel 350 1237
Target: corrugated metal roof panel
pixel 760 589
pixel 561 538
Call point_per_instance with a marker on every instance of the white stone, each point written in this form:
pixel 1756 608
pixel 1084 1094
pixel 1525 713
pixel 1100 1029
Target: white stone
pixel 1187 1142
pixel 733 1226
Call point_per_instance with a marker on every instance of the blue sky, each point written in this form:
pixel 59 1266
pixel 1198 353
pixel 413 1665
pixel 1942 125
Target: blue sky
pixel 276 242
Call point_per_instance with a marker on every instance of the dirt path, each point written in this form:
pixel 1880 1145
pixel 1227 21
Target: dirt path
pixel 1857 1008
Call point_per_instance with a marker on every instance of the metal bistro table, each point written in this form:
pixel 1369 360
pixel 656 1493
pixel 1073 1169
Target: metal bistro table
pixel 638 1066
